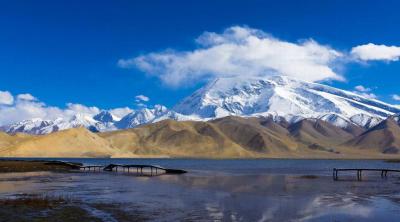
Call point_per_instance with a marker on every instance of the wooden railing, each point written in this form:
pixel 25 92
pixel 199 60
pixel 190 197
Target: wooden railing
pixel 139 169
pixel 359 171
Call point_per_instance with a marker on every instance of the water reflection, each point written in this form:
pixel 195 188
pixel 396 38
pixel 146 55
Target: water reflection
pixel 221 197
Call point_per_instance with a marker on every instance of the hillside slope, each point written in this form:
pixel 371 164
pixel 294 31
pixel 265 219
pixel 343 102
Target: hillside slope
pixel 228 137
pixel 77 142
pixel 234 137
pixel 384 137
pixel 179 139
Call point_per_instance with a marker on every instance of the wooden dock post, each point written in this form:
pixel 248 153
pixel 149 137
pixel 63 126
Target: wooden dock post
pixel 334 174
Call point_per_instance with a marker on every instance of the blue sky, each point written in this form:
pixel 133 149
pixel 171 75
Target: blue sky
pixel 68 51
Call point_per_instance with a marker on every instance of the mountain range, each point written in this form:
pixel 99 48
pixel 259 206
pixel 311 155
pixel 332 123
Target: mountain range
pixel 278 96
pixel 229 117
pixel 227 137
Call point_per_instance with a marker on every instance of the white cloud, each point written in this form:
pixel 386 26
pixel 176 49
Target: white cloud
pixel 26 96
pixel 121 112
pixel 142 98
pixel 140 105
pixel 362 88
pixel 74 108
pixel 239 51
pixel 396 97
pixel 6 98
pixel 376 52
pixel 29 109
pixel 24 109
pixel 27 106
pixel 365 92
pixel 367 95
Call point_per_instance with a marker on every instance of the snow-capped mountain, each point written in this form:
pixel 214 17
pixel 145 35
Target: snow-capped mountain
pixel 105 117
pixel 101 122
pixel 39 126
pixel 283 96
pixel 146 115
pixel 32 126
pixel 279 97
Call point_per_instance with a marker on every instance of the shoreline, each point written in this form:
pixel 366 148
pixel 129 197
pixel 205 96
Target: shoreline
pixel 204 158
pixel 214 194
pixel 19 165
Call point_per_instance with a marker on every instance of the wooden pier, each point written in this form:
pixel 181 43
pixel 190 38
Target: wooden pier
pixel 359 171
pixel 138 169
pixel 92 168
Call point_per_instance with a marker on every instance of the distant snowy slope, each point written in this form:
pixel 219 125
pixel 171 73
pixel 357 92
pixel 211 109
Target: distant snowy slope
pixel 282 96
pixel 146 115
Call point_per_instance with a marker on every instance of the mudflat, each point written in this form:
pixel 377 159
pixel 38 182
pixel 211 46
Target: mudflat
pixel 35 165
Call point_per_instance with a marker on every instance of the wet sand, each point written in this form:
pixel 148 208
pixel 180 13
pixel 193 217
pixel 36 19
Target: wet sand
pixel 197 196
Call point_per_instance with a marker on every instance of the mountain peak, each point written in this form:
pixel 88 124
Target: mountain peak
pixel 278 95
pixel 104 116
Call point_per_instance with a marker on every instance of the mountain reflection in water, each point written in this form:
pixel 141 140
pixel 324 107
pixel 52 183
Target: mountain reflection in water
pixel 222 194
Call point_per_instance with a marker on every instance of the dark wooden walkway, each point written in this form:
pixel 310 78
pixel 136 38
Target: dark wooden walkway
pixel 139 169
pixel 359 171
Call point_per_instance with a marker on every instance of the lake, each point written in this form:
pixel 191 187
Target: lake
pixel 224 190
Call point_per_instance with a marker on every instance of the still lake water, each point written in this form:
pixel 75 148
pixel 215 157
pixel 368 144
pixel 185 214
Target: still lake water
pixel 228 190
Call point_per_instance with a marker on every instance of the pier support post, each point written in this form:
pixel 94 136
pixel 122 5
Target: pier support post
pixel 334 174
pixel 358 174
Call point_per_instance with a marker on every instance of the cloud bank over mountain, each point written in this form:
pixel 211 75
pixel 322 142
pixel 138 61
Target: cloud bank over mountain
pixel 240 51
pixel 25 106
pixel 247 52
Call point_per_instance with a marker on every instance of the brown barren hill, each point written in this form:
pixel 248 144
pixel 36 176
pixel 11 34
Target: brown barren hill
pixel 5 140
pixel 229 137
pixel 78 142
pixel 314 131
pixel 178 139
pixel 269 138
pixel 383 138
